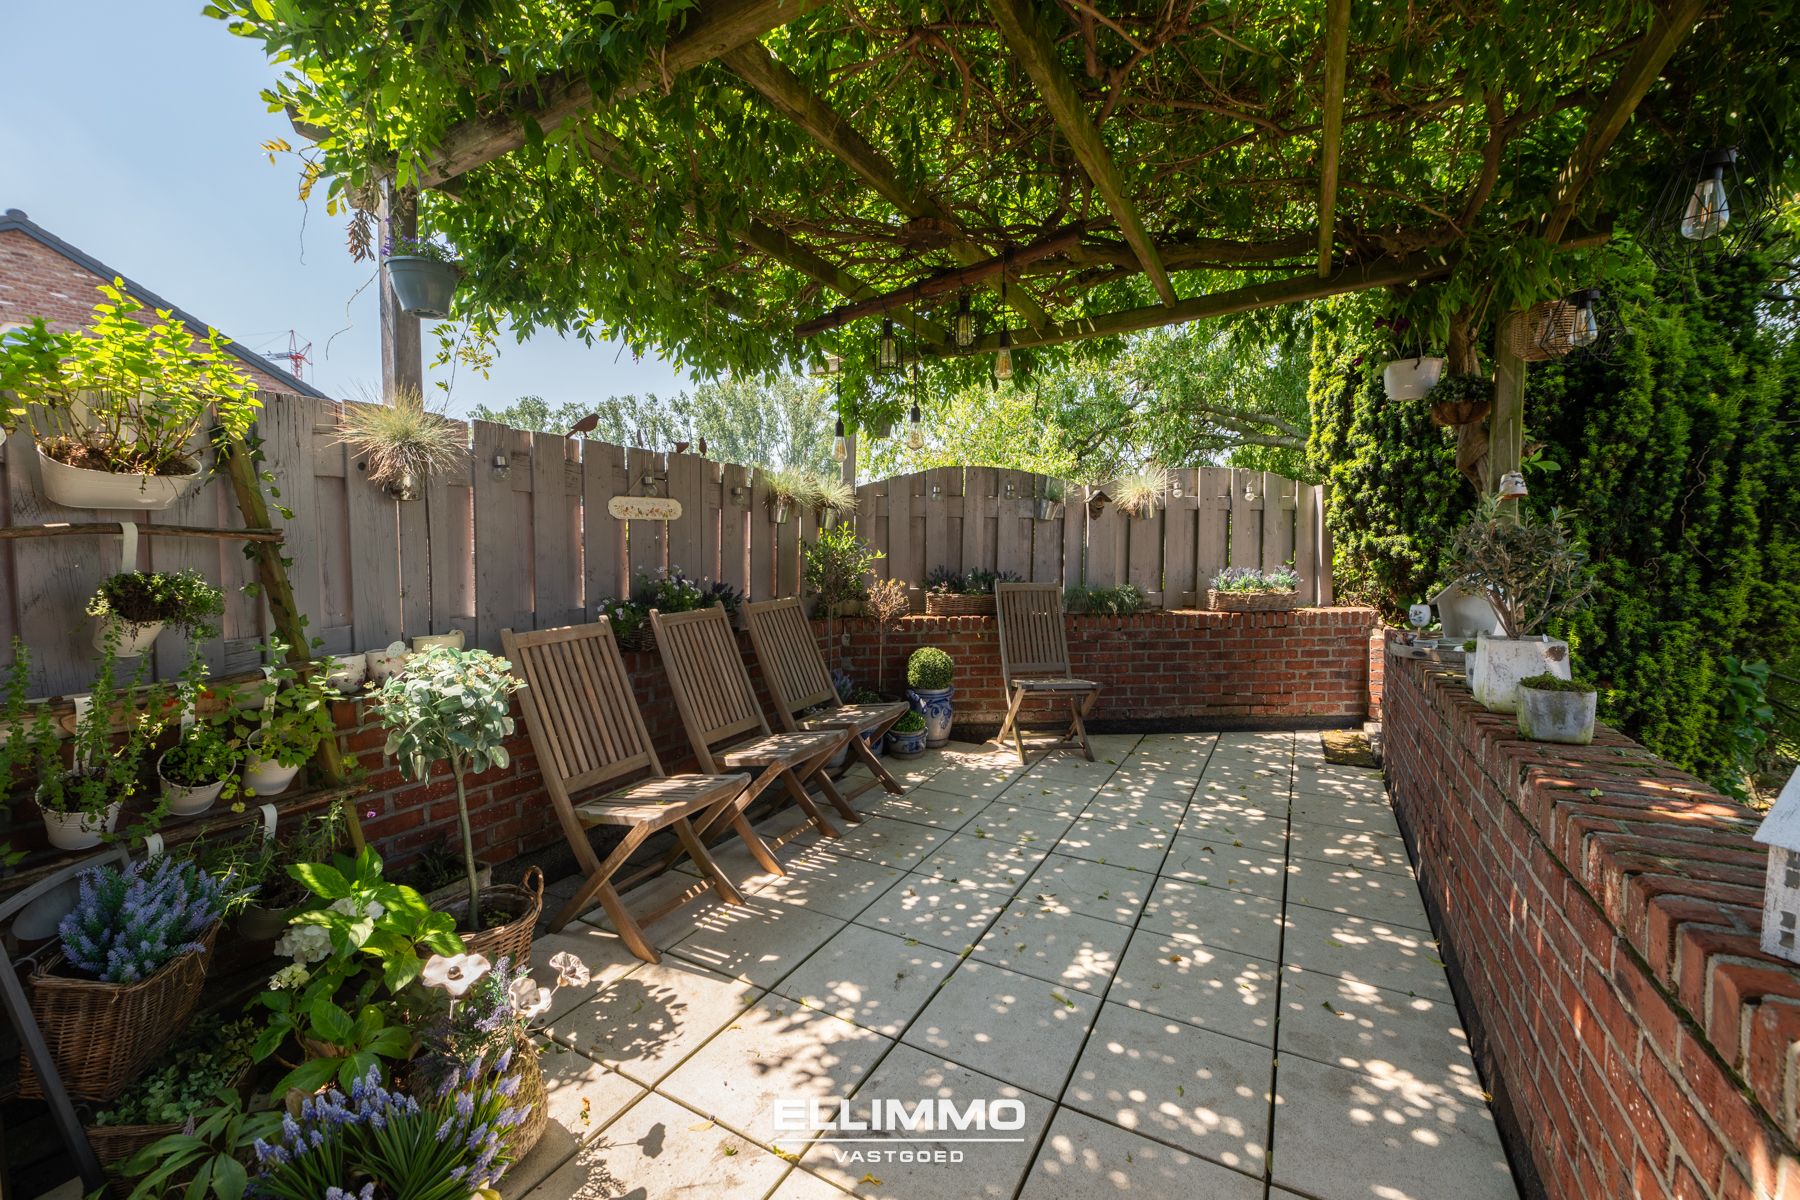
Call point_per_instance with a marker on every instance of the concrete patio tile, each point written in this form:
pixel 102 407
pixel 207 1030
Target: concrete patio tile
pixel 1227 862
pixel 929 806
pixel 1364 849
pixel 1085 1159
pixel 989 1171
pixel 1018 823
pixel 1389 956
pixel 1375 815
pixel 1364 1028
pixel 872 978
pixel 777 1050
pixel 601 951
pixel 1208 817
pixel 1202 1092
pixel 1064 948
pixel 975 782
pixel 1230 920
pixel 935 911
pixel 1377 895
pixel 800 1185
pixel 658 1148
pixel 654 894
pixel 985 862
pixel 1007 1025
pixel 908 773
pixel 837 885
pixel 1347 1135
pixel 1217 797
pixel 891 843
pixel 1155 803
pixel 1179 976
pixel 1135 844
pixel 758 942
pixel 645 1024
pixel 1060 796
pixel 1314 794
pixel 737 863
pixel 1093 889
pixel 582 1097
pixel 1339 781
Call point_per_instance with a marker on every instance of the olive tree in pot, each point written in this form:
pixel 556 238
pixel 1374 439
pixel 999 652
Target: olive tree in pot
pixel 1532 571
pixel 451 706
pixel 1553 709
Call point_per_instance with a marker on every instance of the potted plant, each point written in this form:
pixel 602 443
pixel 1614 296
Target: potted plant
pixel 281 736
pixel 1460 400
pixel 210 1056
pixel 835 569
pixel 423 274
pixel 134 953
pixel 906 739
pixel 454 706
pixel 953 594
pixel 258 863
pixel 929 675
pixel 1407 376
pixel 80 801
pixel 887 602
pixel 790 491
pixel 1051 494
pixel 113 408
pixel 1250 589
pixel 402 443
pixel 1554 709
pixel 134 606
pixel 833 497
pixel 1140 493
pixel 1531 571
pixel 196 770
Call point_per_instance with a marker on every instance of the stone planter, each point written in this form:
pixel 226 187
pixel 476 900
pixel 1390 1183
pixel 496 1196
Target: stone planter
pixel 1499 663
pixel 1557 716
pixel 934 705
pixel 423 286
pixel 78 487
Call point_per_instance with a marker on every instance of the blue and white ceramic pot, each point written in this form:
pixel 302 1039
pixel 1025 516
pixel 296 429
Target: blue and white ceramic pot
pixel 934 705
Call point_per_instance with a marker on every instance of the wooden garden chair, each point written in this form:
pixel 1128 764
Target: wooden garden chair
pixel 1034 663
pixel 726 726
pixel 788 656
pixel 588 735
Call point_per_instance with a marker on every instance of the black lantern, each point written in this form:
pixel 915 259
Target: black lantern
pixel 887 350
pixel 1714 208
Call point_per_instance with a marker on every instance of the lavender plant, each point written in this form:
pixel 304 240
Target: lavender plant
pixel 1252 580
pixel 127 925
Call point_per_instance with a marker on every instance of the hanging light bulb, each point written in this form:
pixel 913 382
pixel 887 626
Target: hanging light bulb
pixel 1584 328
pixel 1003 364
pixel 1708 211
pixel 964 325
pixel 887 350
pixel 840 449
pixel 915 430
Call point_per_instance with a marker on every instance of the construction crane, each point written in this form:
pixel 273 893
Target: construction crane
pixel 297 355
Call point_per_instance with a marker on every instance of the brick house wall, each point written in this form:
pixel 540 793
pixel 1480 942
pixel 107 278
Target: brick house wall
pixel 1600 912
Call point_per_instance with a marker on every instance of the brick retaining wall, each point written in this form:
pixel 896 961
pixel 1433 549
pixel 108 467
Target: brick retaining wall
pixel 1600 910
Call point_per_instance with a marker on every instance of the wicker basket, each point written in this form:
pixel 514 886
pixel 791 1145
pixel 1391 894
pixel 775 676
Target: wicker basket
pixel 113 1144
pixel 513 939
pixel 1251 601
pixel 949 604
pixel 1541 332
pixel 101 1034
pixel 533 1097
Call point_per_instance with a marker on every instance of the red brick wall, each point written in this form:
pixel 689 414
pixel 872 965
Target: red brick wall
pixel 1600 912
pixel 36 281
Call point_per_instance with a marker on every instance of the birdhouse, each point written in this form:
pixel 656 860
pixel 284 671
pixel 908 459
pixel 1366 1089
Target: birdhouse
pixel 1464 613
pixel 1780 832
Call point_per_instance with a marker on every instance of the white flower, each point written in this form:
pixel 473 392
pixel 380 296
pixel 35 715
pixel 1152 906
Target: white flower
pixel 294 975
pixel 529 1001
pixel 570 971
pixel 455 974
pixel 305 944
pixel 349 908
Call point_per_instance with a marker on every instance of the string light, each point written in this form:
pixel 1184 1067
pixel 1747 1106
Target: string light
pixel 1003 364
pixel 840 449
pixel 1708 210
pixel 887 350
pixel 915 432
pixel 964 325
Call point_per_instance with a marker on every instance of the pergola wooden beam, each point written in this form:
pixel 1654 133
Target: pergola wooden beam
pixel 711 30
pixel 1337 49
pixel 1018 24
pixel 788 94
pixel 773 243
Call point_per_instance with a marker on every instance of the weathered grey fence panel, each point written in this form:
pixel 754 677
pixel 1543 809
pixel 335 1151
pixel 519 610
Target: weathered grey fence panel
pixel 555 501
pixel 734 530
pixel 1178 539
pixel 602 475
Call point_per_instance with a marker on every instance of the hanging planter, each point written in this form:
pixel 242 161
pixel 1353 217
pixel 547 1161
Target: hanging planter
pixel 1411 378
pixel 132 607
pixel 85 487
pixel 401 443
pixel 1460 400
pixel 77 829
pixel 423 283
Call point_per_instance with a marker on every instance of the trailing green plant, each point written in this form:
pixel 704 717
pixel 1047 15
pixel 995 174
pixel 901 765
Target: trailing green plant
pixel 1253 580
pixel 1052 489
pixel 1531 570
pixel 795 489
pixel 18 747
pixel 259 864
pixel 837 565
pixel 108 747
pixel 978 582
pixel 1547 682
pixel 209 1056
pixel 929 669
pixel 1470 393
pixel 292 713
pixel 128 924
pixel 178 598
pixel 1119 601
pixel 204 755
pixel 834 496
pixel 207 1160
pixel 403 441
pixel 455 707
pixel 126 395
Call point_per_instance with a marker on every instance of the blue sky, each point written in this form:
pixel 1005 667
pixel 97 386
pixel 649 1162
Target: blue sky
pixel 133 130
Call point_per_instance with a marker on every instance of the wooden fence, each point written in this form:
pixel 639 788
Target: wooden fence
pixel 521 538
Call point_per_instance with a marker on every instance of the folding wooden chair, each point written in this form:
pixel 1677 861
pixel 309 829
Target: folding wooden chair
pixel 587 733
pixel 788 656
pixel 726 726
pixel 1034 663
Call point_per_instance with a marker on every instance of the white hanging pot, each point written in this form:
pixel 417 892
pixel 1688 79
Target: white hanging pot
pixel 266 777
pixel 385 664
pixel 133 639
pixel 187 801
pixel 1411 378
pixel 347 672
pixel 1499 663
pixel 78 831
pixel 423 286
pixel 78 487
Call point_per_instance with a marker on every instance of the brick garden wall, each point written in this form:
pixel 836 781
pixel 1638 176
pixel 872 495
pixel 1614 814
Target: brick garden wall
pixel 1600 910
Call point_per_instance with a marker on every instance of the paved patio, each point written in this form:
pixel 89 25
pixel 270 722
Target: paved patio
pixel 1199 965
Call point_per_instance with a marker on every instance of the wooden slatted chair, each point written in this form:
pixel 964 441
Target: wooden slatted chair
pixel 1034 663
pixel 588 735
pixel 788 656
pixel 726 726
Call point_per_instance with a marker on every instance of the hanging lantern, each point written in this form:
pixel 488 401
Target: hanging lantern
pixel 963 327
pixel 915 430
pixel 1708 209
pixel 840 449
pixel 1003 364
pixel 887 350
pixel 1715 207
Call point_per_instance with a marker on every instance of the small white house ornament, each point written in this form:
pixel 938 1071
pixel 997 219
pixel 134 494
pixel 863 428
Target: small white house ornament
pixel 1780 832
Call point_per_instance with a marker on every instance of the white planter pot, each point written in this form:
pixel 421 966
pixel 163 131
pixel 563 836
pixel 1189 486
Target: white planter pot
pixel 383 665
pixel 187 801
pixel 1564 717
pixel 1411 378
pixel 431 641
pixel 263 777
pixel 78 831
pixel 347 672
pixel 1499 663
pixel 77 487
pixel 133 639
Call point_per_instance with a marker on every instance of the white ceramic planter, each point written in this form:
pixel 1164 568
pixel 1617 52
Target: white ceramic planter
pixel 78 831
pixel 188 801
pixel 347 672
pixel 431 641
pixel 1411 378
pixel 133 639
pixel 383 665
pixel 76 487
pixel 1564 717
pixel 264 777
pixel 1499 663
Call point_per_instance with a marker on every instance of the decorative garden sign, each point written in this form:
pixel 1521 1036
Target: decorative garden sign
pixel 644 508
